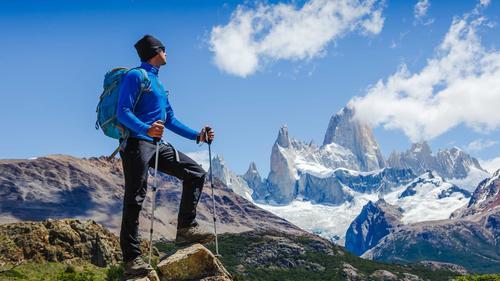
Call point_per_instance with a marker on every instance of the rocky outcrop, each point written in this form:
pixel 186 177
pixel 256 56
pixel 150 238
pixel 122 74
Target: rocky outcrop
pixel 59 240
pixel 435 266
pixel 375 221
pixel 193 263
pixel 344 129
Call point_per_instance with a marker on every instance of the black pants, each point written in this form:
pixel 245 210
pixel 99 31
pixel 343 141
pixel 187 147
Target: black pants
pixel 137 158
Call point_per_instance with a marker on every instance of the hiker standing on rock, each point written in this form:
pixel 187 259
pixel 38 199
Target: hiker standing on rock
pixel 146 118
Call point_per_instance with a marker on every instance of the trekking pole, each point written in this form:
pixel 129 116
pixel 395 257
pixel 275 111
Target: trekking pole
pixel 209 142
pixel 155 185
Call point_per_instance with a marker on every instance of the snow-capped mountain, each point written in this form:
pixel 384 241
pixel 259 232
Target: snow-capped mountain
pixel 427 197
pixel 230 179
pixel 471 237
pixel 322 189
pixel 453 164
pixel 486 197
pixel 290 157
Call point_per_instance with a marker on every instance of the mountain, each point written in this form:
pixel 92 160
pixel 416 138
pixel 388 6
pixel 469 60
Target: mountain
pixel 342 185
pixel 375 221
pixel 290 157
pixel 471 238
pixel 428 197
pixel 486 197
pixel 61 186
pixel 452 164
pixel 238 184
pixel 344 129
pixel 255 244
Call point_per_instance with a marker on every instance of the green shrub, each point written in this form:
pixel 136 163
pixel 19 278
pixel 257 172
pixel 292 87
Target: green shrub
pixel 485 277
pixel 114 273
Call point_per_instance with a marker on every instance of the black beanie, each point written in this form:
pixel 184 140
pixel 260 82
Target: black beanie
pixel 148 47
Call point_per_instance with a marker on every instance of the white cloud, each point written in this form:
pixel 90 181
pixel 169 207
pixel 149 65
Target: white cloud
pixel 484 3
pixel 201 157
pixel 480 144
pixel 273 32
pixel 421 8
pixel 459 85
pixel 490 165
pixel 420 12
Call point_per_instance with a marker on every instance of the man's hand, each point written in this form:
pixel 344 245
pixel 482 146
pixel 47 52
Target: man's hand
pixel 156 129
pixel 207 135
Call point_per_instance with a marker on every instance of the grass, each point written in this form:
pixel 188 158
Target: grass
pixel 234 249
pixel 52 271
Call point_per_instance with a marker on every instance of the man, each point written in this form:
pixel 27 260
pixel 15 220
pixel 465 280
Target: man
pixel 146 118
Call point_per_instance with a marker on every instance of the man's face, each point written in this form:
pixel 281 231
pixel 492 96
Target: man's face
pixel 162 57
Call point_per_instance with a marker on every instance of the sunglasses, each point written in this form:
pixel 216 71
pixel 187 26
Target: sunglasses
pixel 161 49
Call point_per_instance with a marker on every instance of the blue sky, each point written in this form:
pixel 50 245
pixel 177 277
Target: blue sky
pixel 54 55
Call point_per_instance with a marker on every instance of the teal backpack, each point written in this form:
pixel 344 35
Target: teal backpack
pixel 108 103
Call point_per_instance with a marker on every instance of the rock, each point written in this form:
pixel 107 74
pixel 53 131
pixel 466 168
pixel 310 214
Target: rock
pixel 384 275
pixel 194 262
pixel 410 277
pixel 375 221
pixel 351 273
pixel 153 276
pixel 471 242
pixel 434 265
pixel 344 129
pixel 486 197
pixel 59 240
pixel 236 183
pixel 449 163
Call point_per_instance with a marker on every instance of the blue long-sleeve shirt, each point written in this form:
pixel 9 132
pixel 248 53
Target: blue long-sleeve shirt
pixel 152 106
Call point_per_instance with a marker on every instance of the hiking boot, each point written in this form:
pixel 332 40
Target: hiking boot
pixel 191 235
pixel 136 268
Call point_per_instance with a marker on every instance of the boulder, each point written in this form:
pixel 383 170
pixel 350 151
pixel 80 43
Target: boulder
pixel 193 262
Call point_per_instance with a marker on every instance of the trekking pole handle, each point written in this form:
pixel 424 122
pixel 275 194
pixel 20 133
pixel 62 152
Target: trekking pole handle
pixel 207 129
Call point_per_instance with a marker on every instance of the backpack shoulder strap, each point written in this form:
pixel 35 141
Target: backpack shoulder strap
pixel 145 84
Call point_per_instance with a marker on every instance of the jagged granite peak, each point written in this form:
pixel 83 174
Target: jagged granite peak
pixel 451 163
pixel 419 158
pixel 282 174
pixel 344 129
pixel 237 183
pixel 375 221
pixel 455 163
pixel 252 176
pixel 220 170
pixel 283 140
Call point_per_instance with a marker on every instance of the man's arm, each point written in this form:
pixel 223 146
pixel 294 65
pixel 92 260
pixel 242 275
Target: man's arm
pixel 129 92
pixel 177 126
